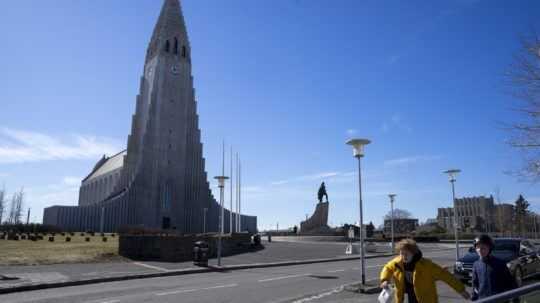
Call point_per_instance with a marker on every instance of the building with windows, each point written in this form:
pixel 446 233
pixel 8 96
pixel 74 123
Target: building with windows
pixel 402 226
pixel 479 214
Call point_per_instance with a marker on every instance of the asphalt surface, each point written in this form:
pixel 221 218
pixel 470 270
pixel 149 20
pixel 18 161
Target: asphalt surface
pixel 278 284
pixel 272 252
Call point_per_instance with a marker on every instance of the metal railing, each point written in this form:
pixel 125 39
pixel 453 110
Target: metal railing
pixel 513 294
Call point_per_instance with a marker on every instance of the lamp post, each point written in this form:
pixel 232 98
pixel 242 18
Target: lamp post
pixel 204 219
pixel 392 196
pixel 358 152
pixel 221 184
pixel 452 177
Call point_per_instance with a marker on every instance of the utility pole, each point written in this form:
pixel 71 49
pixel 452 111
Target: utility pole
pixel 28 216
pixel 231 209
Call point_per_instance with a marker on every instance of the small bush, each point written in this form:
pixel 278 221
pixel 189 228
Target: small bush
pixel 68 239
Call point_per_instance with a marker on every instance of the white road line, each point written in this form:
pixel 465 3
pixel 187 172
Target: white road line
pixel 150 266
pixel 283 277
pixel 194 289
pixel 337 270
pixel 319 296
pixel 111 301
pixel 373 266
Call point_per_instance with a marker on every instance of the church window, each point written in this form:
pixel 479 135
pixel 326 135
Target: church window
pixel 183 51
pixel 170 146
pixel 175 46
pixel 167 46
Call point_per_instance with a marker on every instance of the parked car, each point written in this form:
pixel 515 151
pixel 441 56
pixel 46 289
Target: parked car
pixel 521 255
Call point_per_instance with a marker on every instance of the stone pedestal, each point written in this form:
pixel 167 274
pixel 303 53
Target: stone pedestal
pixel 318 222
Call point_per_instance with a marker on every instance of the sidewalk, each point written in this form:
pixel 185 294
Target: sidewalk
pixel 274 254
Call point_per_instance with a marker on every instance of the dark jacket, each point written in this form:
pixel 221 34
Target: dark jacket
pixel 490 276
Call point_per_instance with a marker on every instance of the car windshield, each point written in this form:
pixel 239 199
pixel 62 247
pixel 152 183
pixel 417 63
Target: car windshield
pixel 505 248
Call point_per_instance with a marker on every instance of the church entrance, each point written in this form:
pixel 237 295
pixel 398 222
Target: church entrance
pixel 166 223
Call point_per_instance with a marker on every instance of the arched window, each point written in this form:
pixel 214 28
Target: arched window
pixel 167 46
pixel 175 46
pixel 183 51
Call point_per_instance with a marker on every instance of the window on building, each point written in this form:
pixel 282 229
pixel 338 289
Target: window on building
pixel 167 46
pixel 175 46
pixel 183 51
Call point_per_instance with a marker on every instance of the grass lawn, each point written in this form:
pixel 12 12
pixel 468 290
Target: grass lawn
pixel 26 252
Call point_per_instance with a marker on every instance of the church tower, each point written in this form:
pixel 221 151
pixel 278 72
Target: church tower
pixel 164 162
pixel 160 181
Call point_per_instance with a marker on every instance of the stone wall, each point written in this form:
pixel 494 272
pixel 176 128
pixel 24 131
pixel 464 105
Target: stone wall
pixel 173 248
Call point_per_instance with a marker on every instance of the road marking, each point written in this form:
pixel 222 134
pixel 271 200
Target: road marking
pixel 376 265
pixel 319 296
pixel 194 289
pixel 283 277
pixel 337 270
pixel 150 266
pixel 111 301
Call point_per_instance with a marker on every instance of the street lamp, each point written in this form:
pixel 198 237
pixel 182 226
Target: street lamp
pixel 452 176
pixel 221 184
pixel 392 196
pixel 204 219
pixel 358 152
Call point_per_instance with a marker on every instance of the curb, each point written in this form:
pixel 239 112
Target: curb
pixel 177 273
pixel 355 286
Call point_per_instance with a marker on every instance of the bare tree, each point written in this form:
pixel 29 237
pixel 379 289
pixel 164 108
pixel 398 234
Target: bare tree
pixel 398 214
pixel 524 79
pixel 16 207
pixel 2 202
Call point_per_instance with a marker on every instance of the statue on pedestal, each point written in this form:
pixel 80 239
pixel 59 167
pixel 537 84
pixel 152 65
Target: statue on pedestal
pixel 322 193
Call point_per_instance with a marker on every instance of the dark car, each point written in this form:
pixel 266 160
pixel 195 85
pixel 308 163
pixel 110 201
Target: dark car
pixel 521 256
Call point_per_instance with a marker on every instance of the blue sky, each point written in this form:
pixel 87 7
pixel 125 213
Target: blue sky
pixel 286 83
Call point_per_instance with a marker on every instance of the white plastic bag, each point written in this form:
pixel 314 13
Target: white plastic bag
pixel 386 295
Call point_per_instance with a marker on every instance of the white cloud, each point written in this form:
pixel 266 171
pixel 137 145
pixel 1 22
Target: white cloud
pixel 19 146
pixel 351 132
pixel 72 181
pixel 396 122
pixel 313 177
pixel 410 160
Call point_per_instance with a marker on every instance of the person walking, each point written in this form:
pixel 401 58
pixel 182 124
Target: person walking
pixel 490 275
pixel 415 276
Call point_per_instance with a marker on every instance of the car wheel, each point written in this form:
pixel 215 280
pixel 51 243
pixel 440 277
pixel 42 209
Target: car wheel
pixel 518 276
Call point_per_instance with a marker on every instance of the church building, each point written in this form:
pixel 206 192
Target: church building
pixel 159 181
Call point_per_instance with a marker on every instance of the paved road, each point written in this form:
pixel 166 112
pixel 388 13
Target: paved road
pixel 273 252
pixel 279 284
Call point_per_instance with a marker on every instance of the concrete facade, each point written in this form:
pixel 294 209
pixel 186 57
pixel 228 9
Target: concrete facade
pixel 160 180
pixel 476 214
pixel 401 226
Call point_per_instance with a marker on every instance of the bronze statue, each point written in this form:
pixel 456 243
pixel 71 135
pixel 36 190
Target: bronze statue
pixel 322 193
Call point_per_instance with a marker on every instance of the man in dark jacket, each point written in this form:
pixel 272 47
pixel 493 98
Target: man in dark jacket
pixel 490 275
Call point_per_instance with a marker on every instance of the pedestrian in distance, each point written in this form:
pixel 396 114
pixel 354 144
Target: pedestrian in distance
pixel 414 276
pixel 490 275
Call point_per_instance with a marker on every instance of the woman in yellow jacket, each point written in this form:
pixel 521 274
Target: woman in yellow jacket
pixel 415 276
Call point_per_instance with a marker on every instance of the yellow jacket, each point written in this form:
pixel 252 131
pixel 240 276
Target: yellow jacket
pixel 426 273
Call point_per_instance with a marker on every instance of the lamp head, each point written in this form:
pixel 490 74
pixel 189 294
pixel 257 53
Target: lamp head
pixel 358 146
pixel 452 173
pixel 392 196
pixel 221 180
